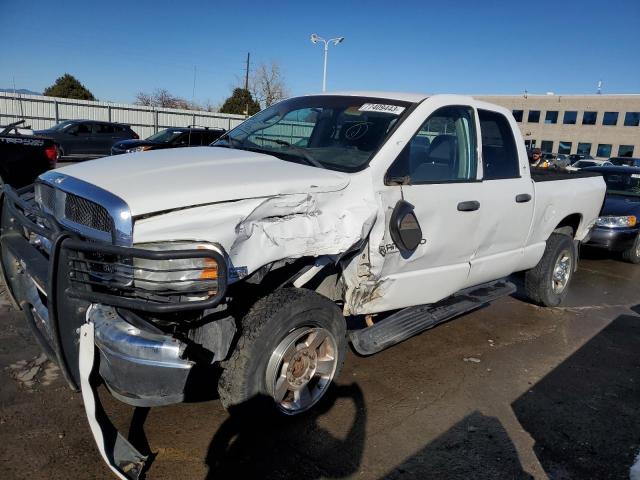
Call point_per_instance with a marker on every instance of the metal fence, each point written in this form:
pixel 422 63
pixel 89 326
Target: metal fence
pixel 43 112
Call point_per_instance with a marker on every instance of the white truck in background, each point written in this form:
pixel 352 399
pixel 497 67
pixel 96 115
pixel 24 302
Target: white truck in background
pixel 322 220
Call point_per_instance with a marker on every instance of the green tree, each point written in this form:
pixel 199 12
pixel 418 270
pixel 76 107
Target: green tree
pixel 68 86
pixel 241 102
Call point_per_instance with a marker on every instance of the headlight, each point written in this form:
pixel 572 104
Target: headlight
pixel 137 149
pixel 616 222
pixel 196 277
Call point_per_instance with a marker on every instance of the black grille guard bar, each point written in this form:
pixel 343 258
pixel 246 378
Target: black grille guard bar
pixel 141 304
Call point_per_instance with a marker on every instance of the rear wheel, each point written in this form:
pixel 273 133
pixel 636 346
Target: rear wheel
pixel 547 283
pixel 291 348
pixel 632 254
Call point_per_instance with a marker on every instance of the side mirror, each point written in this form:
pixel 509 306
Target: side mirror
pixel 405 229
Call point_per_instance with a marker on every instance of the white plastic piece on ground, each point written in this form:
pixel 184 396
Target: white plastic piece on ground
pixel 113 447
pixel 634 471
pixel 87 354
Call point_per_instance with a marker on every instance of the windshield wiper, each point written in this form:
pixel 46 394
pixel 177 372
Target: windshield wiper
pixel 304 154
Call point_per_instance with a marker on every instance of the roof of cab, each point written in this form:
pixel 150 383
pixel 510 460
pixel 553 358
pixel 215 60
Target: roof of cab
pixel 403 97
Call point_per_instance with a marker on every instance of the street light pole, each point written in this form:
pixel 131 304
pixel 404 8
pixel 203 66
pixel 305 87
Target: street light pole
pixel 315 39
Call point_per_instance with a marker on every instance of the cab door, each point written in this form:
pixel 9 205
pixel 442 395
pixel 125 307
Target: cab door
pixel 507 201
pixel 437 175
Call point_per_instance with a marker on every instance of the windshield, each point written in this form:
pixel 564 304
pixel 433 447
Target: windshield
pixel 334 132
pixel 165 136
pixel 62 125
pixel 627 184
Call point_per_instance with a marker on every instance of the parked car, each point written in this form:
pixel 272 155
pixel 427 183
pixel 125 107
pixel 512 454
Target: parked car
pixel 170 138
pixel 83 139
pixel 23 157
pixel 580 164
pixel 625 161
pixel 574 157
pixel 261 255
pixel 561 161
pixel 618 227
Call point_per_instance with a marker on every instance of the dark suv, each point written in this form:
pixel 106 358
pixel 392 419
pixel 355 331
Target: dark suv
pixel 83 139
pixel 170 138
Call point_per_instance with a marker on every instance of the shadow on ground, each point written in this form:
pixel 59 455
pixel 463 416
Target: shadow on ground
pixel 255 442
pixel 477 447
pixel 584 415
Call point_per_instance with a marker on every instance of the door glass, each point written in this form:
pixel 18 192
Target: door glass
pixel 499 152
pixel 443 150
pixel 103 129
pixel 195 139
pixel 84 129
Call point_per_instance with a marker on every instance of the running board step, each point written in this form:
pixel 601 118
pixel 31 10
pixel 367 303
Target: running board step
pixel 412 320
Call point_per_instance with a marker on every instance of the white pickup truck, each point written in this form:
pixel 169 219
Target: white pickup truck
pixel 326 219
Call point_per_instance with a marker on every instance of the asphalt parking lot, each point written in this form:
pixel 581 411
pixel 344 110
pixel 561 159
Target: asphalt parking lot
pixel 509 391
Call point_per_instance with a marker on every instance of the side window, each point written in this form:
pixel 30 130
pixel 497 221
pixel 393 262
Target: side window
pixel 84 129
pixel 182 139
pixel 499 152
pixel 103 128
pixel 195 139
pixel 443 150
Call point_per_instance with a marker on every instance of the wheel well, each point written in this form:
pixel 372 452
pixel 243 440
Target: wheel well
pixel 569 222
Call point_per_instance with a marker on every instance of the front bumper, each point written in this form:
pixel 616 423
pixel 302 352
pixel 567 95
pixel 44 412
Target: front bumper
pixel 140 364
pixel 614 239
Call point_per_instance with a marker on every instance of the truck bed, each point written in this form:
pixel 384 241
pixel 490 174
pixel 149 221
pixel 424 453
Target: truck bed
pixel 551 174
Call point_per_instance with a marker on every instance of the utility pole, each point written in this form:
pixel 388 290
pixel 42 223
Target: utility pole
pixel 246 84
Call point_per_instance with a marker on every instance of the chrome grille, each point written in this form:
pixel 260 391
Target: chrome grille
pixel 47 197
pixel 85 212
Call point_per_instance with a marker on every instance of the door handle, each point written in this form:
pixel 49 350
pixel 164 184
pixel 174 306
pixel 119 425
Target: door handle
pixel 523 198
pixel 468 206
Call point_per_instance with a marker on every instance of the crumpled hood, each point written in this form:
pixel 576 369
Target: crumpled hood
pixel 163 180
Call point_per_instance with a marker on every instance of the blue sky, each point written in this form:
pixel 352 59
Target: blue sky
pixel 118 48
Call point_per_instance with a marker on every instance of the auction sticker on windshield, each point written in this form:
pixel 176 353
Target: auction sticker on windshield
pixel 381 107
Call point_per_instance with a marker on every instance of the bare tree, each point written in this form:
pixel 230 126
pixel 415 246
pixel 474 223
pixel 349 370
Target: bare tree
pixel 267 84
pixel 164 99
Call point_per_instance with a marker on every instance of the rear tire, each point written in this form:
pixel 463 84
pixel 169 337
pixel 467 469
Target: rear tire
pixel 632 255
pixel 291 348
pixel 547 283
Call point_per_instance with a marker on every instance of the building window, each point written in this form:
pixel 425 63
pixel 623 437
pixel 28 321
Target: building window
pixel 604 150
pixel 546 146
pixel 625 151
pixel 551 117
pixel 589 118
pixel 632 119
pixel 517 114
pixel 570 118
pixel 564 147
pixel 534 116
pixel 610 118
pixel 584 149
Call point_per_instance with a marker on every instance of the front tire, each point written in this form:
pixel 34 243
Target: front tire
pixel 291 348
pixel 547 283
pixel 632 255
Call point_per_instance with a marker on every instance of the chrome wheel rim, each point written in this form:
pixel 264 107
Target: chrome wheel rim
pixel 301 368
pixel 561 272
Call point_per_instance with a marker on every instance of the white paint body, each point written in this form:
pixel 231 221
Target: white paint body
pixel 261 209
